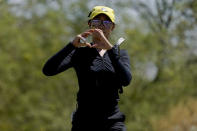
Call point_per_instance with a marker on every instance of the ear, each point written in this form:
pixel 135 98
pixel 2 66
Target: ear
pixel 89 24
pixel 113 27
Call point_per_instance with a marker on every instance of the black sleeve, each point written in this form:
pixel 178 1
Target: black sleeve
pixel 121 64
pixel 60 61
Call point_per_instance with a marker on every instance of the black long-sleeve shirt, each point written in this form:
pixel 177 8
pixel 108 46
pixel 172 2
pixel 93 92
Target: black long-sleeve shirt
pixel 99 78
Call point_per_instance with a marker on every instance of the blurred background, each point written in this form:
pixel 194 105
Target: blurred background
pixel 161 38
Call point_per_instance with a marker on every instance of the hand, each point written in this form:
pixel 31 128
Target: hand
pixel 76 42
pixel 100 41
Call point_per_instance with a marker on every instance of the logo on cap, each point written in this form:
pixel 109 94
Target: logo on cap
pixel 104 9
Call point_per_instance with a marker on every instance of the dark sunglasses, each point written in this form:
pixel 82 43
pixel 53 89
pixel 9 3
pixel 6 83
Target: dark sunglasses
pixel 97 23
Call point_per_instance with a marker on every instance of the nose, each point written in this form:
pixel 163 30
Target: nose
pixel 101 26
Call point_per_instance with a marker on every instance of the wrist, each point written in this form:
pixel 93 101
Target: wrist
pixel 110 47
pixel 72 44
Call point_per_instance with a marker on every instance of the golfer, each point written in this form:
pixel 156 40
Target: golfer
pixel 102 70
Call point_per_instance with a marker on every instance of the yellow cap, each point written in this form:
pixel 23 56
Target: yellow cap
pixel 102 10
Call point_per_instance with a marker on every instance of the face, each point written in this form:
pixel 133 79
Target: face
pixel 102 22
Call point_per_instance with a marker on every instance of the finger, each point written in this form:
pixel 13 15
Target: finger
pixel 90 30
pixel 82 39
pixel 84 44
pixel 95 46
pixel 86 34
pixel 98 30
pixel 89 45
pixel 80 45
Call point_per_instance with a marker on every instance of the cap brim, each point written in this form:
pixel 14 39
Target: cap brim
pixel 107 14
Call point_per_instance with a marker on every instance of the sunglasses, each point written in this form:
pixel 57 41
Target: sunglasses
pixel 97 23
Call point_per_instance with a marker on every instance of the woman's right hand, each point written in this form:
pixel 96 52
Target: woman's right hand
pixel 76 42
